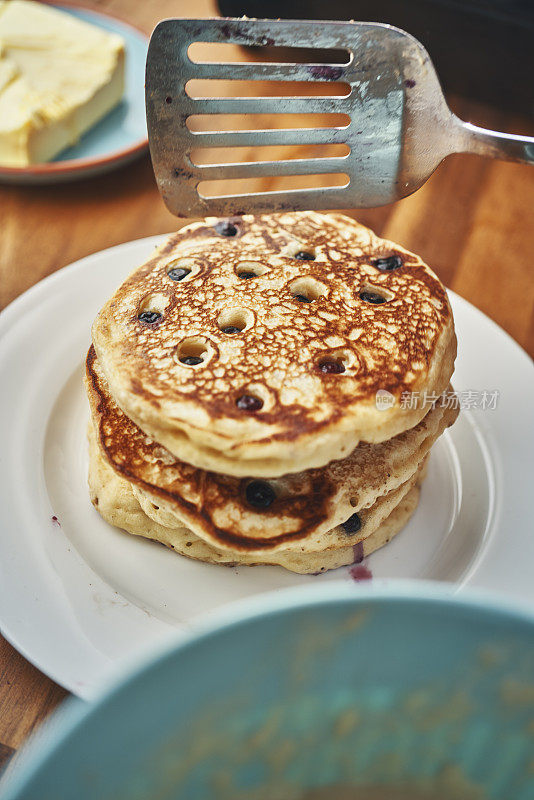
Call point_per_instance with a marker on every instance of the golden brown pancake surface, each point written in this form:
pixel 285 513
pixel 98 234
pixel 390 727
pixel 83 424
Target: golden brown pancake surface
pixel 305 507
pixel 292 343
pixel 115 500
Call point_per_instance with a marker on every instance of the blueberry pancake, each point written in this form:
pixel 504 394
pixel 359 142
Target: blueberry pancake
pixel 312 510
pixel 115 501
pixel 256 345
pixel 233 384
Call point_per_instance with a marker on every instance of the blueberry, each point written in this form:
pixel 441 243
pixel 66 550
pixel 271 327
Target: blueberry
pixel 302 255
pixel 178 273
pixel 302 298
pixel 226 228
pixel 191 361
pixel 330 366
pixel 352 524
pixel 231 329
pixel 246 274
pixel 358 552
pixel 372 297
pixel 149 316
pixel 248 402
pixel 259 494
pixel 387 263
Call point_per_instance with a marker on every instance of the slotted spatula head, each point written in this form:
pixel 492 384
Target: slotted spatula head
pixel 398 117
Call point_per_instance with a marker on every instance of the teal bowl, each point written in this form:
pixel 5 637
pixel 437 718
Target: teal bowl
pixel 323 687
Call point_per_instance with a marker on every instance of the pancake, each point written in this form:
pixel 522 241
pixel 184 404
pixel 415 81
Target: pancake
pixel 115 501
pixel 308 509
pixel 256 346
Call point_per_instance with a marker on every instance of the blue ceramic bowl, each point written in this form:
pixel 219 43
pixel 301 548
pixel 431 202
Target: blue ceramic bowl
pixel 308 688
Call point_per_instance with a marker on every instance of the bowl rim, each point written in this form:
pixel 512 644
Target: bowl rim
pixel 73 713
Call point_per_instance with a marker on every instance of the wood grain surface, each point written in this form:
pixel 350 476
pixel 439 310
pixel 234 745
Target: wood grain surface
pixel 472 222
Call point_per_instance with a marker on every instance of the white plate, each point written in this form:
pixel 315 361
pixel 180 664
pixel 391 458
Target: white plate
pixel 79 598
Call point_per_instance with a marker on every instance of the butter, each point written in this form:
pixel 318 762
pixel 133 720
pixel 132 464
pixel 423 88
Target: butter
pixel 59 76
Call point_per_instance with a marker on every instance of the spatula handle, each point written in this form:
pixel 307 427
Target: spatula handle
pixel 506 146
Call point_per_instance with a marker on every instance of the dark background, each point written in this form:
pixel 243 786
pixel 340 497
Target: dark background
pixel 482 49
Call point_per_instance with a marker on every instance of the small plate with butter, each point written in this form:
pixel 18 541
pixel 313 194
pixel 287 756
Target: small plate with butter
pixel 71 92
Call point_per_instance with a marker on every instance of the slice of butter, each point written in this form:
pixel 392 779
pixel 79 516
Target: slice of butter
pixel 59 76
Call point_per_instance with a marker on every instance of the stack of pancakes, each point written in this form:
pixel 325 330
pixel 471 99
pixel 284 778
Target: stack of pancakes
pixel 266 390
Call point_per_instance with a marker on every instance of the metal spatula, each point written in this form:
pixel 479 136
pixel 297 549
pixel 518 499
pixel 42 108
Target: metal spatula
pixel 400 125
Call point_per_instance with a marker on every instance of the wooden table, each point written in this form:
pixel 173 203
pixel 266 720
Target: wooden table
pixel 472 222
